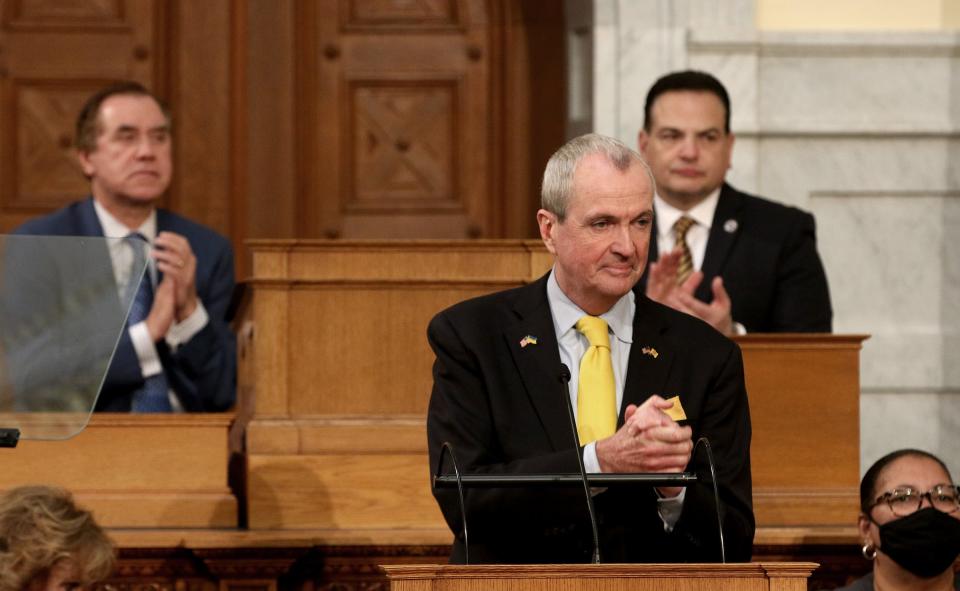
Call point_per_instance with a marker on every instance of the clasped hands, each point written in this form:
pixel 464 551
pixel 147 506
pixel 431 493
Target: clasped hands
pixel 648 441
pixel 176 296
pixel 662 287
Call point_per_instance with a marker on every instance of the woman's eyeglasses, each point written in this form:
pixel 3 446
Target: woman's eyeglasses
pixel 906 500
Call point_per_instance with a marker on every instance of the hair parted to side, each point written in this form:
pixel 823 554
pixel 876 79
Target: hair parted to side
pixel 868 486
pixel 557 187
pixel 87 127
pixel 689 81
pixel 39 527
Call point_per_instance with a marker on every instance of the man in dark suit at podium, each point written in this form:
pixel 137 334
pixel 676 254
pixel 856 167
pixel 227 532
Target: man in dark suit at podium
pixel 742 263
pixel 646 382
pixel 177 352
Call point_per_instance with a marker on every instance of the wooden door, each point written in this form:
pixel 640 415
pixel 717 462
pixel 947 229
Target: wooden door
pixel 396 105
pixel 53 55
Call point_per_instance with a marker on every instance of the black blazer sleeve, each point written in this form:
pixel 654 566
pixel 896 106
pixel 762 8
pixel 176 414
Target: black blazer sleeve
pixel 514 523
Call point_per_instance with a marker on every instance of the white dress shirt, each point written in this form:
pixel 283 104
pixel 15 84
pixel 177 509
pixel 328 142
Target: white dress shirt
pixel 697 235
pixel 573 344
pixel 122 256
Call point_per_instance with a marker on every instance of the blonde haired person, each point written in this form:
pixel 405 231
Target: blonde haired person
pixel 48 543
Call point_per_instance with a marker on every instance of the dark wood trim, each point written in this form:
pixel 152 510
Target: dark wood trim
pixel 356 568
pixel 239 42
pixel 304 114
pixel 167 82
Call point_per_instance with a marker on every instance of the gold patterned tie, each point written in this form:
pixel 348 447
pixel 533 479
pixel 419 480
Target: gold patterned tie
pixel 596 391
pixel 686 258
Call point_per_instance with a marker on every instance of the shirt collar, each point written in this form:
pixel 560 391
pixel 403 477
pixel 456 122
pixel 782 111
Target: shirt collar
pixel 702 213
pixel 114 228
pixel 566 314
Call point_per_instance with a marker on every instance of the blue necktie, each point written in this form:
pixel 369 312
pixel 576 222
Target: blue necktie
pixel 153 395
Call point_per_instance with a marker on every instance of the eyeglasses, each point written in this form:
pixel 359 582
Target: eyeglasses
pixel 906 500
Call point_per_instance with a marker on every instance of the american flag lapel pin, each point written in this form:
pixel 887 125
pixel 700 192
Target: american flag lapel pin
pixel 528 340
pixel 650 351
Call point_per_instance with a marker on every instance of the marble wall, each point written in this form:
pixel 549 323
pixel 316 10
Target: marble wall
pixel 862 129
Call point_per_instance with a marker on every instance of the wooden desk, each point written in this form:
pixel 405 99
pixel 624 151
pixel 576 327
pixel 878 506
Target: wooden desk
pixel 137 470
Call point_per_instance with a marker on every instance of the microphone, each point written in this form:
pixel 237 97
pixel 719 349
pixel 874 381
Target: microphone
pixel 565 380
pixel 716 494
pixel 448 447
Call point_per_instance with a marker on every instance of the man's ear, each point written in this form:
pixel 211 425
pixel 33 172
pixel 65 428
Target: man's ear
pixel 86 165
pixel 642 140
pixel 547 222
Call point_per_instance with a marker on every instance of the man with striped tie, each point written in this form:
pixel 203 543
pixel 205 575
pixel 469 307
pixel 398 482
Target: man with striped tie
pixel 177 352
pixel 742 263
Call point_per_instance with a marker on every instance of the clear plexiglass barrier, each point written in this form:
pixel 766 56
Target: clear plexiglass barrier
pixel 63 309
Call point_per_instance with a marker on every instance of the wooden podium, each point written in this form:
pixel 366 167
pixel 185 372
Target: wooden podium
pixel 756 576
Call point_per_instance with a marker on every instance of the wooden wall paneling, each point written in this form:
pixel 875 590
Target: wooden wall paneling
pixel 394 106
pixel 803 476
pixel 273 144
pixel 202 105
pixel 532 79
pixel 270 351
pixel 137 471
pixel 316 175
pixel 53 56
pixel 379 377
pixel 237 188
pixel 348 491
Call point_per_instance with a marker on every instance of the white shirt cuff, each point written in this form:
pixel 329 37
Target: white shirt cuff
pixel 181 332
pixel 591 464
pixel 739 329
pixel 145 349
pixel 669 509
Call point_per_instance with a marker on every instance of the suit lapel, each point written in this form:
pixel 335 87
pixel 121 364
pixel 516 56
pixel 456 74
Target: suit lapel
pixel 87 222
pixel 651 356
pixel 539 364
pixel 720 240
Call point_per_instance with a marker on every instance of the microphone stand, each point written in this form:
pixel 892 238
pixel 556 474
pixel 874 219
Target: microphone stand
pixel 564 381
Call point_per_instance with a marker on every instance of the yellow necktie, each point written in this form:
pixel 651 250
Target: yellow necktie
pixel 596 391
pixel 686 258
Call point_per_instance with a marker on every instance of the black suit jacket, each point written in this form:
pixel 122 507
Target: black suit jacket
pixel 502 407
pixel 766 253
pixel 201 371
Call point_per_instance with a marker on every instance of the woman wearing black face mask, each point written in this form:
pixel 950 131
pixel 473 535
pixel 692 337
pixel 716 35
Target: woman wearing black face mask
pixel 909 524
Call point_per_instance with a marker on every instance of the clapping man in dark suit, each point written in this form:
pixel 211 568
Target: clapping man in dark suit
pixel 498 397
pixel 177 352
pixel 742 263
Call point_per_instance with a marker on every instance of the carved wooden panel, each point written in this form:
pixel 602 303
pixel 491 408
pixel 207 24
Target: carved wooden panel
pixel 403 152
pixel 398 128
pixel 47 14
pixel 400 13
pixel 54 55
pixel 46 169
